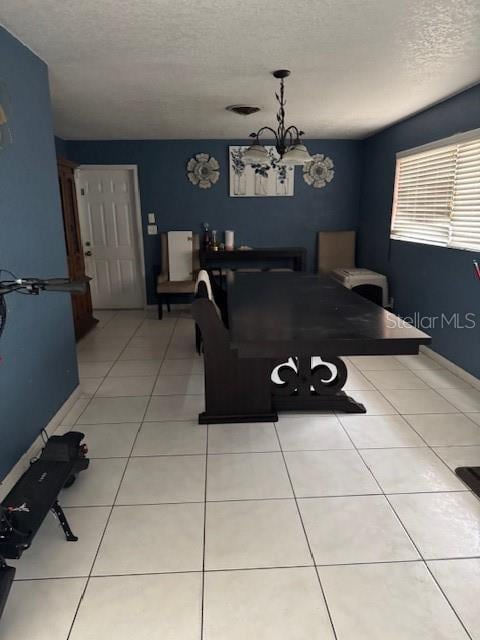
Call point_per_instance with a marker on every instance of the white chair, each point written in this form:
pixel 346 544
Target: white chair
pixel 166 287
pixel 336 256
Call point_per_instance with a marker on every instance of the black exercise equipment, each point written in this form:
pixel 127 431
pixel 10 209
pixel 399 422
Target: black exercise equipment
pixel 24 508
pixel 471 477
pixel 33 286
pixel 35 494
pixel 6 578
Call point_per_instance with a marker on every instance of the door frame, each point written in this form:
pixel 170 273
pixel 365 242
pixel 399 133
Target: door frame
pixel 133 169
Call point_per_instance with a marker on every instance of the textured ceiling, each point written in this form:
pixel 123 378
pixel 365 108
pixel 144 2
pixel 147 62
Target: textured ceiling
pixel 167 68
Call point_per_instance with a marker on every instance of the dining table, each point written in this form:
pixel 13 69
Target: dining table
pixel 287 342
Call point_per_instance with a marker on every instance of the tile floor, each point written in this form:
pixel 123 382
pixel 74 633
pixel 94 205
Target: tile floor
pixel 319 527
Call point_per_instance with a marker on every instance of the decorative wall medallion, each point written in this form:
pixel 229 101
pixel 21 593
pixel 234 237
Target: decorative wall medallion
pixel 318 172
pixel 266 179
pixel 203 170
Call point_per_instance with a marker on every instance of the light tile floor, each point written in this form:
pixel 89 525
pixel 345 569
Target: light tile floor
pixel 332 526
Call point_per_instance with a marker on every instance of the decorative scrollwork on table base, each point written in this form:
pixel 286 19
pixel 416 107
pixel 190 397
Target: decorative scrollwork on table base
pixel 297 385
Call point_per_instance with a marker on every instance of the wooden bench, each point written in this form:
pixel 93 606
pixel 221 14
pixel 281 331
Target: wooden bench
pixel 235 388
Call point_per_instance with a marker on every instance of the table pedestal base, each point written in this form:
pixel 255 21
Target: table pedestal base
pixel 335 402
pixel 205 418
pixel 298 386
pixel 254 389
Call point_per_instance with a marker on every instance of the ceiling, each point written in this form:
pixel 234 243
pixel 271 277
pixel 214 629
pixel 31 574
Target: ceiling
pixel 149 69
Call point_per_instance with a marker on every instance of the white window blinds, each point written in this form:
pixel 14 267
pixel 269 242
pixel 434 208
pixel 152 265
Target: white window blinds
pixel 437 194
pixel 465 216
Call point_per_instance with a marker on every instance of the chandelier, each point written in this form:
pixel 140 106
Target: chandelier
pixel 287 139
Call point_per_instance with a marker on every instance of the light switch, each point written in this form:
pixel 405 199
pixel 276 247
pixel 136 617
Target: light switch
pixel 152 230
pixel 151 218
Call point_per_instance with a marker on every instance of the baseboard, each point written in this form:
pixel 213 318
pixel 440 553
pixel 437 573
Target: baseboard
pixel 451 366
pixel 23 463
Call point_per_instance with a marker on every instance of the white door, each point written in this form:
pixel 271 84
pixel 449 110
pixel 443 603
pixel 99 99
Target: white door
pixel 108 222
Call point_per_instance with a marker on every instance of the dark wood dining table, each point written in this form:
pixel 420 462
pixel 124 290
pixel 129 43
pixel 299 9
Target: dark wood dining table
pixel 298 325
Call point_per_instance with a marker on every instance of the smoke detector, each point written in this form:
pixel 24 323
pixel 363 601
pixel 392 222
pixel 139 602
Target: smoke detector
pixel 242 109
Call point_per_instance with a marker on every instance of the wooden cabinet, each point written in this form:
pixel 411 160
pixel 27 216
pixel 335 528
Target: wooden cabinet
pixel 81 305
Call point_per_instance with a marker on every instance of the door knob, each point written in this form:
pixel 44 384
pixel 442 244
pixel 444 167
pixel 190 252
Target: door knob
pixel 88 253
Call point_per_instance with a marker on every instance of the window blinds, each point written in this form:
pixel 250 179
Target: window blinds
pixel 465 216
pixel 437 196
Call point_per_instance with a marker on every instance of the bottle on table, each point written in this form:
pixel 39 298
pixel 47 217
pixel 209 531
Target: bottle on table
pixel 214 242
pixel 206 240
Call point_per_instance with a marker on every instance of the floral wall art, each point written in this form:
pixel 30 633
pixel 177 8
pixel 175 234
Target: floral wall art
pixel 319 172
pixel 259 180
pixel 203 170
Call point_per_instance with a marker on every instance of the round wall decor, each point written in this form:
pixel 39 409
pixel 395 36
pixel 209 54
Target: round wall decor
pixel 318 172
pixel 203 170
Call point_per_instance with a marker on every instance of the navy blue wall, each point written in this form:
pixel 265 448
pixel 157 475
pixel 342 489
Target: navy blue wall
pixel 289 221
pixel 427 281
pixel 424 279
pixel 61 147
pixel 37 349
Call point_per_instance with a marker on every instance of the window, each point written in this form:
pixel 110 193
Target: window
pixel 437 193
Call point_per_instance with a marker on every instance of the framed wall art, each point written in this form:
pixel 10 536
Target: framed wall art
pixel 259 180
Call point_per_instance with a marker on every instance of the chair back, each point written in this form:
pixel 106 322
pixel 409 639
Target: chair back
pixel 203 289
pixel 336 249
pixel 165 257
